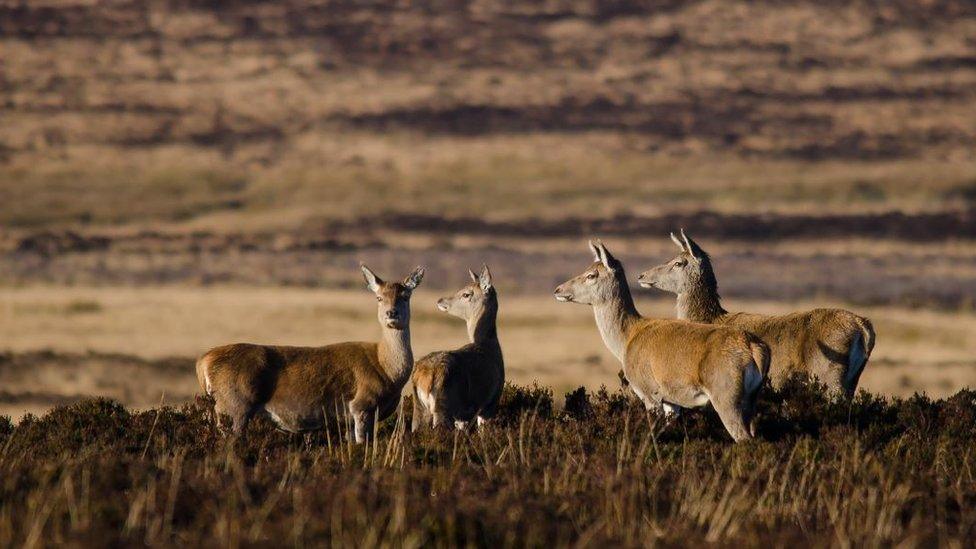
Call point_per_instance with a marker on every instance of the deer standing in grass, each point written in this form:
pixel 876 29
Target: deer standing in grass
pixel 672 363
pixel 464 384
pixel 832 345
pixel 300 387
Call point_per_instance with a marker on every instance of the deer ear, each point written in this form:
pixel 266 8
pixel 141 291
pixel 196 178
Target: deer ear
pixel 474 277
pixel 485 278
pixel 372 281
pixel 414 278
pixel 605 257
pixel 596 252
pixel 677 242
pixel 690 246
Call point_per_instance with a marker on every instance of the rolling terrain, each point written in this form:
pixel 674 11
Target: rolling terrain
pixel 157 158
pixel 178 174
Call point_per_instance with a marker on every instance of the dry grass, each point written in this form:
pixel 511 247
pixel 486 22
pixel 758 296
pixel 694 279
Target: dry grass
pixel 601 472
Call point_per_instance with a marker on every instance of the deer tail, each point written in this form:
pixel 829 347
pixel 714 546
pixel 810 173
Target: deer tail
pixel 761 356
pixel 867 334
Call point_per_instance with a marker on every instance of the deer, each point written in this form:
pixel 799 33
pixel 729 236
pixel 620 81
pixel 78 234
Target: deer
pixel 299 387
pixel 830 345
pixel 464 384
pixel 672 364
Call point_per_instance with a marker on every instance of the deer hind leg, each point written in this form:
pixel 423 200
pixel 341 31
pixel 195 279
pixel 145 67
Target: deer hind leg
pixel 442 408
pixel 241 421
pixel 488 410
pixel 735 410
pixel 833 378
pixel 421 415
pixel 831 366
pixel 236 408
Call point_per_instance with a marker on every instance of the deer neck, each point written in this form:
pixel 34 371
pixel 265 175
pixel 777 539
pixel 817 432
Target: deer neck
pixel 395 354
pixel 700 304
pixel 481 327
pixel 615 319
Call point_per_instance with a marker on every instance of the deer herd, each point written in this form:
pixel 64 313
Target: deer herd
pixel 706 355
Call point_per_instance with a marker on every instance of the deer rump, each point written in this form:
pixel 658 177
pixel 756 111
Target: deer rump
pixel 832 345
pixel 456 385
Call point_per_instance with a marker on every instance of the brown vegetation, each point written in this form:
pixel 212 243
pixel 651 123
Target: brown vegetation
pixel 222 113
pixel 803 79
pixel 600 472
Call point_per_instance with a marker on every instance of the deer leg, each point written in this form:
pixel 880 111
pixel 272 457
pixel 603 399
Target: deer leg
pixel 218 413
pixel 421 417
pixel 238 412
pixel 241 421
pixel 362 421
pixel 487 411
pixel 833 378
pixel 730 409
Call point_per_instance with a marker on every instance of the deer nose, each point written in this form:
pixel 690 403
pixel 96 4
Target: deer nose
pixel 561 294
pixel 391 314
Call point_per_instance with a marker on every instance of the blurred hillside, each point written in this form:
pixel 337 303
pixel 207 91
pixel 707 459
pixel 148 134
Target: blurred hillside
pixel 121 111
pixel 179 174
pixel 794 79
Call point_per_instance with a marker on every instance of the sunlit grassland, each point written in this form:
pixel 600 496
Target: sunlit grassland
pixel 501 176
pixel 543 341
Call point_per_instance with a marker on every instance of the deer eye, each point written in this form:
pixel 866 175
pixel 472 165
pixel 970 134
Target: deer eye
pixel 680 263
pixel 467 295
pixel 591 275
pixel 378 298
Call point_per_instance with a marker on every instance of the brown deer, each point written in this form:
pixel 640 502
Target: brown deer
pixel 672 363
pixel 300 387
pixel 464 384
pixel 832 345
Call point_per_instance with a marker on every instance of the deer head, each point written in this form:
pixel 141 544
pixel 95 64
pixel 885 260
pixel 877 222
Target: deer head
pixel 473 299
pixel 393 298
pixel 682 273
pixel 597 284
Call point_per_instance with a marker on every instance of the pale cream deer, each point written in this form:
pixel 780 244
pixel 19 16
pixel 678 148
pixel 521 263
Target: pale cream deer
pixel 672 363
